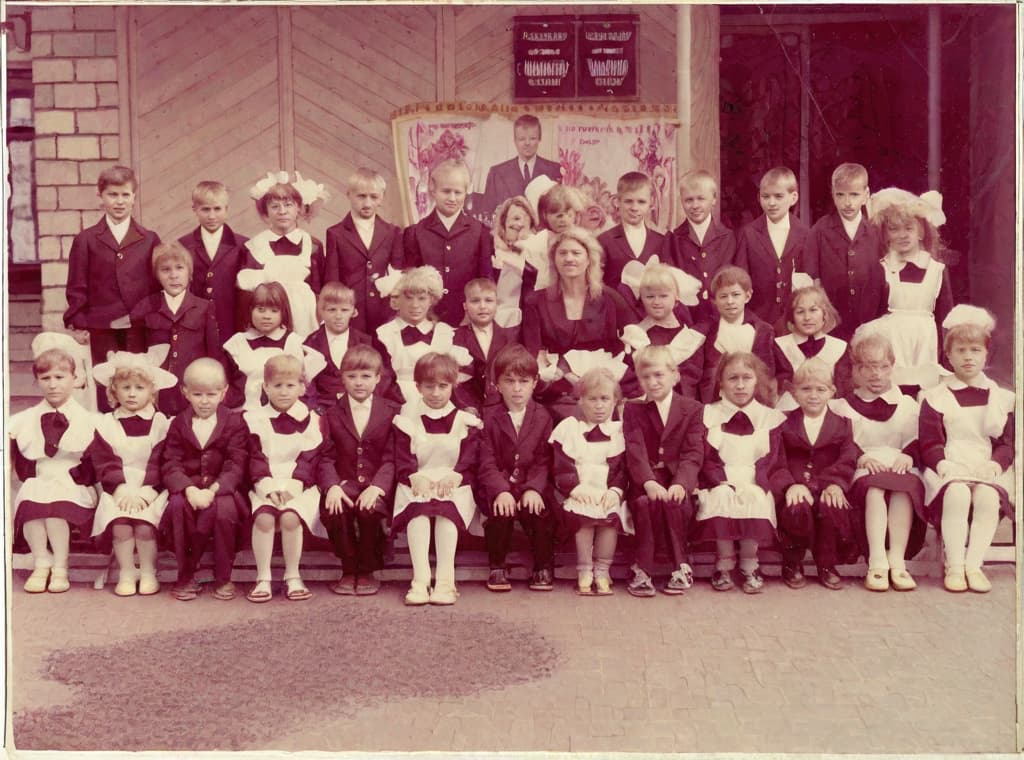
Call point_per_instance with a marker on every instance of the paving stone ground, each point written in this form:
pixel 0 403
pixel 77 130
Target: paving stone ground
pixel 787 671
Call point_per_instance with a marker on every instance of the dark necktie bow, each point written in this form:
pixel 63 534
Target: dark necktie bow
pixel 135 425
pixel 969 396
pixel 660 335
pixel 912 273
pixel 285 247
pixel 738 424
pixel 439 425
pixel 596 435
pixel 878 410
pixel 54 425
pixel 285 424
pixel 412 335
pixel 264 341
pixel 812 346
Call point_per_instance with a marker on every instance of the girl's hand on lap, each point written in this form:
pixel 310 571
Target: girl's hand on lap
pixel 872 465
pixel 988 471
pixel 609 500
pixel 421 486
pixel 902 464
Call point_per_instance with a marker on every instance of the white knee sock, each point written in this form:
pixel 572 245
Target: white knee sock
pixel 446 538
pixel 35 536
pixel 984 522
pixel 262 550
pixel 585 549
pixel 417 533
pixel 875 525
pixel 901 515
pixel 725 555
pixel 956 503
pixel 59 533
pixel 604 550
pixel 748 555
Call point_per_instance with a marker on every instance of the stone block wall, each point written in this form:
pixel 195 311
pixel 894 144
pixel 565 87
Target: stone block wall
pixel 74 72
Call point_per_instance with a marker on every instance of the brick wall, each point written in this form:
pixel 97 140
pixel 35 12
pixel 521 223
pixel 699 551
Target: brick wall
pixel 74 72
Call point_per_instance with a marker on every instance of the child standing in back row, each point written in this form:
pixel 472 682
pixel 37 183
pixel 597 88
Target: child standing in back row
pixel 632 239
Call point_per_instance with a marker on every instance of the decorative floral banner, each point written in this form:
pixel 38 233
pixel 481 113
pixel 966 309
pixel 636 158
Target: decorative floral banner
pixel 594 144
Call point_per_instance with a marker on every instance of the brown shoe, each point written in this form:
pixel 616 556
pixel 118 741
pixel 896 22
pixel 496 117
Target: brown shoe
pixel 367 585
pixel 345 585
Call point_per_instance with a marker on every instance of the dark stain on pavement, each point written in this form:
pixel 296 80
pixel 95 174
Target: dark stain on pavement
pixel 238 686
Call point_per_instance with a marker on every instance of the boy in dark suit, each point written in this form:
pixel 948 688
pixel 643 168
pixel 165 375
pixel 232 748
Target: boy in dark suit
pixel 511 177
pixel 843 252
pixel 205 456
pixel 182 321
pixel 701 245
pixel 455 244
pixel 821 457
pixel 361 247
pixel 515 469
pixel 109 270
pixel 218 253
pixel 664 452
pixel 632 239
pixel 357 472
pixel 771 248
pixel 336 307
pixel 483 339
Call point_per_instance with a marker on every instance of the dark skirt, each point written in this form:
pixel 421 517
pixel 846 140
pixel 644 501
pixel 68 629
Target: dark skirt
pixel 933 511
pixel 734 529
pixel 429 508
pixel 75 515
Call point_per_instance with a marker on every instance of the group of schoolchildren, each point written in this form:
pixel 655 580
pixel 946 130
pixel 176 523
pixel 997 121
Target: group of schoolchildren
pixel 377 384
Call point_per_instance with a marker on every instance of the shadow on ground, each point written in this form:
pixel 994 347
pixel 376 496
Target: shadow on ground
pixel 238 686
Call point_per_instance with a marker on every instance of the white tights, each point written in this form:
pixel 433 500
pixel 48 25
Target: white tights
pixel 896 516
pixel 446 538
pixel 49 529
pixel 726 555
pixel 595 549
pixel 128 539
pixel 978 534
pixel 263 543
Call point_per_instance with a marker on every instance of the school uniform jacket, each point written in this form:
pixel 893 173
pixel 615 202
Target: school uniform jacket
pixel 215 280
pixel 763 349
pixel 353 461
pixel 222 460
pixel 460 255
pixel 848 271
pixel 351 263
pixel 327 387
pixel 669 453
pixel 511 461
pixel 830 460
pixel 618 253
pixel 506 180
pixel 701 260
pixel 479 390
pixel 106 279
pixel 772 276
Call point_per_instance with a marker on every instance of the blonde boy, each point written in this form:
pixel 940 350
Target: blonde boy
pixel 632 239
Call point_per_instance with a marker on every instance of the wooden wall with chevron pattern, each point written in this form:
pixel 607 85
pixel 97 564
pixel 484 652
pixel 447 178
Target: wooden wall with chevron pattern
pixel 229 93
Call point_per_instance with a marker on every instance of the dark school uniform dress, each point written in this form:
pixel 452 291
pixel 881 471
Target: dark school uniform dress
pixel 669 453
pixel 684 343
pixel 105 280
pixel 966 426
pixel 791 351
pixel 701 260
pixel 222 459
pixel 753 335
pixel 476 388
pixel 772 275
pixel 127 451
pixel 189 333
pixel 460 255
pixel 325 388
pixel 356 461
pixel 829 460
pixel 884 427
pixel 848 271
pixel 516 462
pixel 49 452
pixel 743 473
pixel 351 263
pixel 215 279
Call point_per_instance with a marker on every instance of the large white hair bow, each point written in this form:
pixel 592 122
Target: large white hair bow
pixel 687 286
pixel 310 191
pixel 966 314
pixel 927 206
pixel 147 363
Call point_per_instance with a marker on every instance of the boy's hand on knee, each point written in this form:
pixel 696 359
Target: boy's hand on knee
pixel 676 493
pixel 334 500
pixel 198 498
pixel 797 493
pixel 368 498
pixel 533 502
pixel 834 497
pixel 504 505
pixel 655 491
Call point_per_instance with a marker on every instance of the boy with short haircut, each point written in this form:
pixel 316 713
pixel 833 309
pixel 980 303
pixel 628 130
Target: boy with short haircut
pixel 174 317
pixel 701 245
pixel 632 239
pixel 842 253
pixel 448 239
pixel 204 462
pixel 218 253
pixel 109 270
pixel 357 472
pixel 821 457
pixel 361 247
pixel 664 452
pixel 515 468
pixel 336 306
pixel 736 328
pixel 772 248
pixel 483 338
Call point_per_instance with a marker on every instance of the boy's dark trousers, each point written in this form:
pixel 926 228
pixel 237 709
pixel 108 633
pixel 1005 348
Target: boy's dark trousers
pixel 191 530
pixel 357 537
pixel 539 528
pixel 817 527
pixel 669 519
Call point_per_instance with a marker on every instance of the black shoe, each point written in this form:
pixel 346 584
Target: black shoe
pixel 793 576
pixel 542 580
pixel 497 581
pixel 829 578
